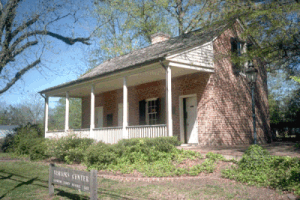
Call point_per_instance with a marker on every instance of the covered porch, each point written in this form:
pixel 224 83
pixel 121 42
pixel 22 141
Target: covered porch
pixel 125 105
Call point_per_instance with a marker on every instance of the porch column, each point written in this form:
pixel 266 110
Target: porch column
pixel 169 101
pixel 46 113
pixel 92 125
pixel 125 109
pixel 67 112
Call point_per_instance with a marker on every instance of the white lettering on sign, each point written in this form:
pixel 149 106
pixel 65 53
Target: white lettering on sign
pixel 80 177
pixel 66 183
pixel 61 173
pixel 86 187
pixel 75 185
pixel 57 181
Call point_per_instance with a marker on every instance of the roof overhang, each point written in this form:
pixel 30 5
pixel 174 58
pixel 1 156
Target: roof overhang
pixel 135 76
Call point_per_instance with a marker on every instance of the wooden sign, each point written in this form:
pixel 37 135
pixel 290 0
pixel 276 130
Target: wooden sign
pixel 80 180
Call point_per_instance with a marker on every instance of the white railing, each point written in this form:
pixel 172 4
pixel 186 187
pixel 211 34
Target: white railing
pixel 108 134
pixel 82 133
pixel 150 131
pixel 55 134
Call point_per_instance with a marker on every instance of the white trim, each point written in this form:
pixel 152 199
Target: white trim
pixel 169 105
pixel 151 99
pixel 46 113
pixel 67 112
pixel 190 66
pixel 181 114
pixel 125 108
pixel 92 120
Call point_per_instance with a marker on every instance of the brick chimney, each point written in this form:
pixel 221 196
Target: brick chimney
pixel 159 37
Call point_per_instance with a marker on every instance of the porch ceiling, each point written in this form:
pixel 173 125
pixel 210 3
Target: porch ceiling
pixel 148 74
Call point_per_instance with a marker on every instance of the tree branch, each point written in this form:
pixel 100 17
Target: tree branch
pixel 18 75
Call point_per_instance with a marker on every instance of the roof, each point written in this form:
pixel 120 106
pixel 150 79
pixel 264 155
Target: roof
pixel 6 129
pixel 152 53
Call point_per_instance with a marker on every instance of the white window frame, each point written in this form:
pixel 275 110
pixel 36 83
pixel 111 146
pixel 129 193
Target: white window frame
pixel 147 113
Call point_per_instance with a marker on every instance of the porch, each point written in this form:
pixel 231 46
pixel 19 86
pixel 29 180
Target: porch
pixel 137 102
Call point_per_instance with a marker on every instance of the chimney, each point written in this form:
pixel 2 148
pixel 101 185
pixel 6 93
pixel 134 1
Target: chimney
pixel 159 37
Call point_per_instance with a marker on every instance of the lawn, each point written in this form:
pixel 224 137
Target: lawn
pixel 29 180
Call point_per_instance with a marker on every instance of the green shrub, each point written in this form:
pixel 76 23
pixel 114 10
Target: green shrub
pixel 100 155
pixel 22 140
pixel 150 156
pixel 38 151
pixel 7 143
pixel 258 167
pixel 69 149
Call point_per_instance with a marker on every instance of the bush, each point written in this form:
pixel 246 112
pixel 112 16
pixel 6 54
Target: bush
pixel 150 156
pixel 100 155
pixel 258 167
pixel 69 149
pixel 7 143
pixel 38 151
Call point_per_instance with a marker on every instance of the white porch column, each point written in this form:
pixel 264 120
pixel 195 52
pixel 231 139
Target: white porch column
pixel 92 125
pixel 67 112
pixel 46 113
pixel 169 100
pixel 125 108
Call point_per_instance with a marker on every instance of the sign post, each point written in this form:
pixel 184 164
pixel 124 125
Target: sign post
pixel 80 180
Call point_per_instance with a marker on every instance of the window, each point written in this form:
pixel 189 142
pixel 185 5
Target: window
pixel 109 118
pixel 238 48
pixel 152 112
pixel 149 110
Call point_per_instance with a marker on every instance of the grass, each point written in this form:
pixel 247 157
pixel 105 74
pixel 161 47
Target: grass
pixel 29 180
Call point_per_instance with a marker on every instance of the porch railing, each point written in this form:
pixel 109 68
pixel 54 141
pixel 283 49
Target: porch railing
pixel 55 134
pixel 113 134
pixel 150 131
pixel 108 134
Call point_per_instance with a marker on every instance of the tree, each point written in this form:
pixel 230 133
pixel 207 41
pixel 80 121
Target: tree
pixel 128 25
pixel 274 24
pixel 22 35
pixel 30 111
pixel 57 114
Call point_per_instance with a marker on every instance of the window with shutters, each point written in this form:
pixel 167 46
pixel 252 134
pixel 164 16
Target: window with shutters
pixel 238 48
pixel 150 111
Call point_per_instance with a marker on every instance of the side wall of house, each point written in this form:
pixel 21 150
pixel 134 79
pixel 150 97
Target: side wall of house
pixel 225 114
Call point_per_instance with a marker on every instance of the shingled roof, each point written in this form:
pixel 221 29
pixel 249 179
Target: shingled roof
pixel 152 53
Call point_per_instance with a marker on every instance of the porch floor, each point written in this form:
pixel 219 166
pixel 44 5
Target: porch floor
pixel 236 152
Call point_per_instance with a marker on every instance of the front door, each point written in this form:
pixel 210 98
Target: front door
pixel 190 120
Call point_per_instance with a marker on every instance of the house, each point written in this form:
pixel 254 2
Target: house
pixel 186 86
pixel 6 129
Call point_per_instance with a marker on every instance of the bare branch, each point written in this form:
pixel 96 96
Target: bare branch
pixel 18 75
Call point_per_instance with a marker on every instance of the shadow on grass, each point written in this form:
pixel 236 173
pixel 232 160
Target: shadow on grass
pixel 59 192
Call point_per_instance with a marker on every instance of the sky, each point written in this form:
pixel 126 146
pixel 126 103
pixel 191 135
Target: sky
pixel 63 64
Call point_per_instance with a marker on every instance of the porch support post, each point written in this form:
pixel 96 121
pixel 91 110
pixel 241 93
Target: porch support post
pixel 125 109
pixel 67 112
pixel 46 113
pixel 169 100
pixel 92 125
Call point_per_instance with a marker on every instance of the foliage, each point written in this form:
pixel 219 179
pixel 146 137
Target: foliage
pixel 128 25
pixel 7 143
pixel 151 156
pixel 69 149
pixel 25 137
pixel 57 114
pixel 38 150
pixel 23 31
pixel 258 167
